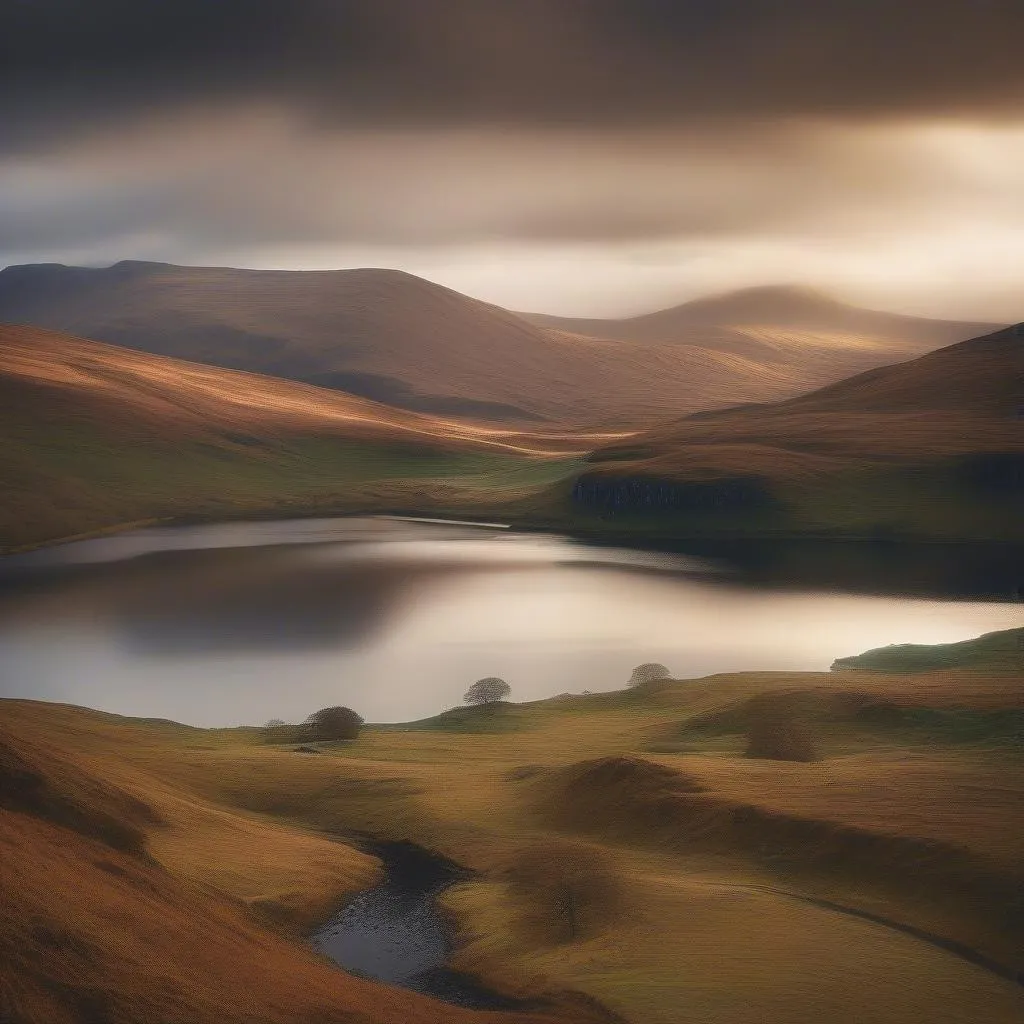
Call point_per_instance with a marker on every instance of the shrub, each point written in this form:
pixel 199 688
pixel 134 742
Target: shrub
pixel 332 724
pixel 491 690
pixel 569 890
pixel 649 672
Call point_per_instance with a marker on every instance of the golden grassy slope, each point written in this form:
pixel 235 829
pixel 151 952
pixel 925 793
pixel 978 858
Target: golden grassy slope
pixel 719 857
pixel 129 899
pixel 92 436
pixel 963 398
pixel 412 343
pixel 135 391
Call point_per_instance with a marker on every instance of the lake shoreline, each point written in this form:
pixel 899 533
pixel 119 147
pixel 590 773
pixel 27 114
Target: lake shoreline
pixel 589 534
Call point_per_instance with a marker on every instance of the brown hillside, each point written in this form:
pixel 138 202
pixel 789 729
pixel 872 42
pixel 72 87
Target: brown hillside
pixel 733 888
pixel 43 373
pixel 93 436
pixel 395 338
pixel 925 449
pixel 957 400
pixel 96 927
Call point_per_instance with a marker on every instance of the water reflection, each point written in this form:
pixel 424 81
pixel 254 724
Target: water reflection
pixel 264 601
pixel 252 621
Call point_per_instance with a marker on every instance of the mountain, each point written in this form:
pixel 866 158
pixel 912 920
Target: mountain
pixel 929 447
pixel 93 435
pixel 397 339
pixel 774 316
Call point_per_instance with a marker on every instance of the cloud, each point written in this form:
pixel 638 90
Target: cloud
pixel 68 66
pixel 714 139
pixel 235 178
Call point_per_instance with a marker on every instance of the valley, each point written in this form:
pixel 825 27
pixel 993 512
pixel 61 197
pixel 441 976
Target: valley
pixel 511 513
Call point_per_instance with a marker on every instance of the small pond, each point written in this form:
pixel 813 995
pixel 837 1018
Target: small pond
pixel 395 932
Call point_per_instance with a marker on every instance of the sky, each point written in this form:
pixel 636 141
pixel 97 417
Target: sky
pixel 585 157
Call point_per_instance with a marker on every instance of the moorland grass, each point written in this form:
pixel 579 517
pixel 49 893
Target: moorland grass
pixel 705 846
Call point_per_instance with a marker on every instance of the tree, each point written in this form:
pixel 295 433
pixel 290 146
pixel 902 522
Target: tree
pixel 491 690
pixel 332 724
pixel 649 672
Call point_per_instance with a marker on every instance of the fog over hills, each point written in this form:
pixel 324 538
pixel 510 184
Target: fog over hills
pixel 398 339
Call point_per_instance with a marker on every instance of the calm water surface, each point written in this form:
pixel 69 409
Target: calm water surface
pixel 395 932
pixel 239 623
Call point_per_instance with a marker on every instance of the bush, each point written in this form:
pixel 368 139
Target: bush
pixel 569 890
pixel 777 731
pixel 332 724
pixel 649 672
pixel 491 690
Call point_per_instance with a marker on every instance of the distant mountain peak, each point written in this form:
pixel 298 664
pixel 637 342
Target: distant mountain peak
pixel 768 302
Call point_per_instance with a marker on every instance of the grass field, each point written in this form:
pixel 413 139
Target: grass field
pixel 880 881
pixel 94 482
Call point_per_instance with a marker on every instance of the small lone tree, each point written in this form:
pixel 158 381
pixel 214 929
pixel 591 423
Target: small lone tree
pixel 649 672
pixel 491 690
pixel 332 724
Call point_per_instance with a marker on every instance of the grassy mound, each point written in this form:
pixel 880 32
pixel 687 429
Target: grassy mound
pixel 567 891
pixel 646 803
pixel 804 725
pixel 777 730
pixel 499 716
pixel 616 794
pixel 49 787
pixel 1001 649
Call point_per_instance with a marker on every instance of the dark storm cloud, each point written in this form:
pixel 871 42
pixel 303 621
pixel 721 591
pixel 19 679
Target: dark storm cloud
pixel 527 146
pixel 68 64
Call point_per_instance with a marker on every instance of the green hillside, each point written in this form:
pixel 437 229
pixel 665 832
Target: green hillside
pixel 1003 649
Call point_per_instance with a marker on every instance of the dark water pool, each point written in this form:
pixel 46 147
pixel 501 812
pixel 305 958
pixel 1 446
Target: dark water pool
pixel 396 933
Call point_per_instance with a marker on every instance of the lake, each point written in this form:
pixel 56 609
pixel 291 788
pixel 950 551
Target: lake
pixel 239 623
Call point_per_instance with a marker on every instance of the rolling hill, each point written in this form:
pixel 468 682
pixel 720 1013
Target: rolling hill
pixel 92 435
pixel 930 447
pixel 131 898
pixel 167 873
pixel 779 322
pixel 397 339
